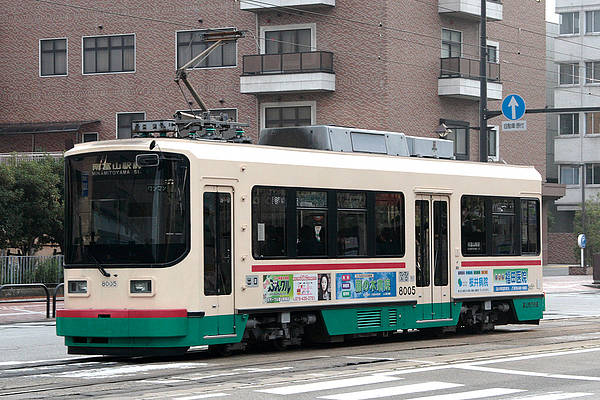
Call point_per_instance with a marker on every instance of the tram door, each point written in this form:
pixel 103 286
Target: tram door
pixel 432 260
pixel 218 255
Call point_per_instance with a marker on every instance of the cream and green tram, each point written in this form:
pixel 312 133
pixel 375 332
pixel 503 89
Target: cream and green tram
pixel 173 243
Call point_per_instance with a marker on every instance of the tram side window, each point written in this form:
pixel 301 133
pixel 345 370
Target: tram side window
pixel 473 225
pixel 504 227
pixel 269 222
pixel 529 226
pixel 351 223
pixel 389 224
pixel 311 214
pixel 498 226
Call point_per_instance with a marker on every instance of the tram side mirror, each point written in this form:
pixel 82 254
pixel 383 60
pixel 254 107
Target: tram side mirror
pixel 147 160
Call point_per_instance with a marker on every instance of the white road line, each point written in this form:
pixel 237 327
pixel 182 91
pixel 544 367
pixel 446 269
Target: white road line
pixel 335 384
pixel 529 373
pixel 475 394
pixel 202 396
pixel 556 396
pixel 393 391
pixel 370 358
pixel 533 356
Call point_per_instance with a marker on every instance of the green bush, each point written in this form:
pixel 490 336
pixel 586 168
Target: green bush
pixel 47 271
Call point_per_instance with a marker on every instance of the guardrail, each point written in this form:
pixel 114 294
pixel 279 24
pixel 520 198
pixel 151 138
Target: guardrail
pixel 59 286
pixel 32 285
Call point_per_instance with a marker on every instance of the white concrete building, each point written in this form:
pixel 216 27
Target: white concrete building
pixel 577 62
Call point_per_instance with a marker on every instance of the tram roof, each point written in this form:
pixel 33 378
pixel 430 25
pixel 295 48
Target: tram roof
pixel 252 153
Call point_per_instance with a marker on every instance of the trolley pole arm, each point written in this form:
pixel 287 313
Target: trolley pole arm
pixel 182 72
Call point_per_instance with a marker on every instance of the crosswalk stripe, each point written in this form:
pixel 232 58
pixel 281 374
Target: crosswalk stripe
pixel 202 396
pixel 475 394
pixel 558 396
pixel 335 384
pixel 393 391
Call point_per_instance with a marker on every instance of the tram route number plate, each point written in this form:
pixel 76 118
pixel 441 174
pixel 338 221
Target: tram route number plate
pixel 252 280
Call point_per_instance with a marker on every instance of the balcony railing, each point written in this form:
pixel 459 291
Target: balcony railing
pixel 458 67
pixel 288 63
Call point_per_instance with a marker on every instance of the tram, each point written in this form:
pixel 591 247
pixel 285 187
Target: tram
pixel 173 243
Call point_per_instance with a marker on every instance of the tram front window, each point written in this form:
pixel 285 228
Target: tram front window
pixel 119 213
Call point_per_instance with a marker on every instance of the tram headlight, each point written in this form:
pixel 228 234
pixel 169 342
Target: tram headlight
pixel 79 287
pixel 140 286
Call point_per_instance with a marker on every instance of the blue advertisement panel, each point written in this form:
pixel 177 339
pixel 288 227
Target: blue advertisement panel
pixel 364 285
pixel 510 280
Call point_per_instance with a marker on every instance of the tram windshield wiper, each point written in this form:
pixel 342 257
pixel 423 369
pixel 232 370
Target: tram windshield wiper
pixel 98 265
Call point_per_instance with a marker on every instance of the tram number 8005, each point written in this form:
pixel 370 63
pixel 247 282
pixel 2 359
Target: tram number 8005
pixel 407 291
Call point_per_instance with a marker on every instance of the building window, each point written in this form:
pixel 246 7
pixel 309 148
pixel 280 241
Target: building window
pixel 287 116
pixel 592 72
pixel 492 54
pixel 53 57
pixel 124 121
pixel 191 43
pixel 568 74
pixel 459 134
pixel 569 23
pixel 592 123
pixel 568 124
pixel 108 54
pixel 493 143
pixel 592 21
pixel 89 137
pixel 287 41
pixel 569 174
pixel 592 174
pixel 451 43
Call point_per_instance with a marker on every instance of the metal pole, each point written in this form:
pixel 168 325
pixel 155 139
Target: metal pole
pixel 583 218
pixel 483 139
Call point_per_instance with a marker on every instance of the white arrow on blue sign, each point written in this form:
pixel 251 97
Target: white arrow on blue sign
pixel 513 107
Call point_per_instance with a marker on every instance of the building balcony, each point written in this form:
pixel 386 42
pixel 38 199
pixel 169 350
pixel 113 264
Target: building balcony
pixel 576 149
pixel 288 73
pixel 459 78
pixel 267 5
pixel 470 9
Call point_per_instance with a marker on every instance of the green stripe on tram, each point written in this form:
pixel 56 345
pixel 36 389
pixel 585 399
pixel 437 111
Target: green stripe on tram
pixel 151 332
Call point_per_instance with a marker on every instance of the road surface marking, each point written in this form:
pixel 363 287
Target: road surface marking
pixel 370 358
pixel 475 394
pixel 556 396
pixel 335 384
pixel 393 391
pixel 202 396
pixel 528 373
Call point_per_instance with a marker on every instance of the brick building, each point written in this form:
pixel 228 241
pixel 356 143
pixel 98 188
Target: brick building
pixel 389 65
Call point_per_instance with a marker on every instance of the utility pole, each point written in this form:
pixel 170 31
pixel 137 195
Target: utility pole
pixel 483 138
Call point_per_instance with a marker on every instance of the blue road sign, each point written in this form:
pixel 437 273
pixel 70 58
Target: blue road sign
pixel 581 241
pixel 513 107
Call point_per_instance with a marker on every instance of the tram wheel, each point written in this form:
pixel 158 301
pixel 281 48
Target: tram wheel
pixel 219 350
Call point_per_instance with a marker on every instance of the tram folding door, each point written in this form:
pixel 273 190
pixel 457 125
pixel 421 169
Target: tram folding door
pixel 432 257
pixel 218 255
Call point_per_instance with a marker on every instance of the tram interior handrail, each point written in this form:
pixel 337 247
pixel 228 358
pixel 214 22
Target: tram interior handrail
pixel 31 285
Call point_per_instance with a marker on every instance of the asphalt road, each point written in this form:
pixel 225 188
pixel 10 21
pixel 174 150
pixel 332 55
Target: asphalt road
pixel 553 361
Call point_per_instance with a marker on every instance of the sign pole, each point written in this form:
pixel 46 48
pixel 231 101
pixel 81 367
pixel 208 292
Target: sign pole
pixel 483 138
